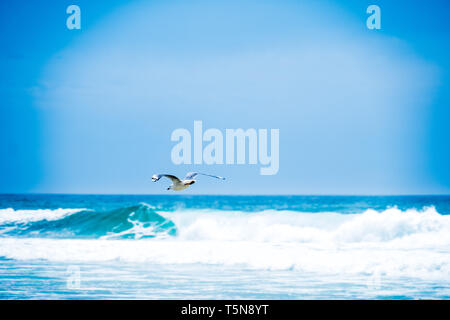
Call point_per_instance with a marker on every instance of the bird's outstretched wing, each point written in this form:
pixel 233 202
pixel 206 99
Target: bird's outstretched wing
pixel 174 179
pixel 192 175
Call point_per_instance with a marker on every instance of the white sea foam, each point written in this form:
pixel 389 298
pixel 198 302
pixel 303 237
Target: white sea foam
pixel 26 216
pixel 390 243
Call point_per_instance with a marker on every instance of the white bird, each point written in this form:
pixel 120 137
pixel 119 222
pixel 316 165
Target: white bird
pixel 177 184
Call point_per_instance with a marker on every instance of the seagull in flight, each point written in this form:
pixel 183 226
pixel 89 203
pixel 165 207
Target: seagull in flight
pixel 177 184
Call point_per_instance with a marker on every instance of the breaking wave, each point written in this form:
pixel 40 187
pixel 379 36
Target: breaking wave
pixel 390 242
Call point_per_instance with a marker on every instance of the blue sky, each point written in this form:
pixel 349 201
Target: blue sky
pixel 359 111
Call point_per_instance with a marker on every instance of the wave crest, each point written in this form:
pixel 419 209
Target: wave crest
pixel 26 216
pixel 288 226
pixel 134 222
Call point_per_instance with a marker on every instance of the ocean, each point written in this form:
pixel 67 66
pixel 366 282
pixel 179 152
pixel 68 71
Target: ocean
pixel 224 247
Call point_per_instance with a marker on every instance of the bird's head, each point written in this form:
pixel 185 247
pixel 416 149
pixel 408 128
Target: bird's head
pixel 189 182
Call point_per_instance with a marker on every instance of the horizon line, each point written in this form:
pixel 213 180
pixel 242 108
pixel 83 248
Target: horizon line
pixel 224 194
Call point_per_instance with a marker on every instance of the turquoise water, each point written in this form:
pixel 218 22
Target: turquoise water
pixel 227 247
